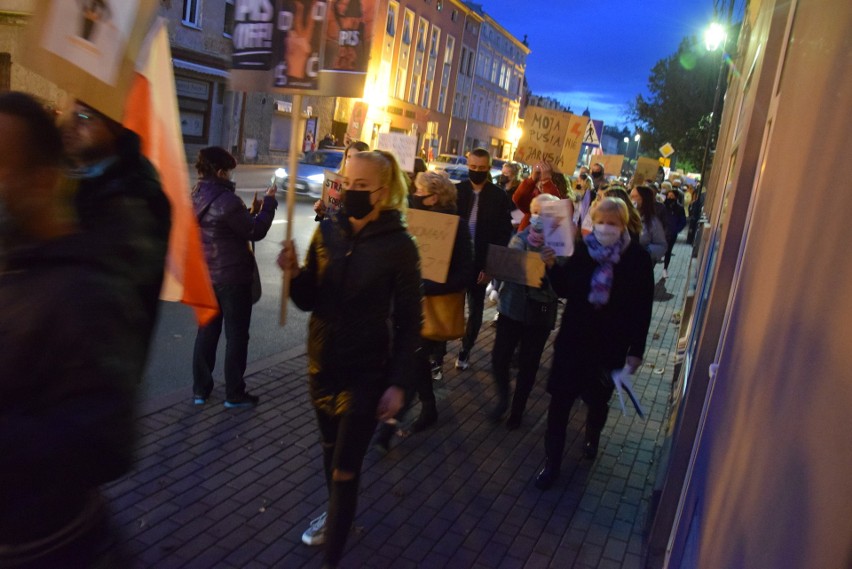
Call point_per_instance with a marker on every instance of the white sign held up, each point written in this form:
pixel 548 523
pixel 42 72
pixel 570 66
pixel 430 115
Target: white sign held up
pixel 402 146
pixel 558 226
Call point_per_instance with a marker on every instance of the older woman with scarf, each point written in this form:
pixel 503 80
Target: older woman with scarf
pixel 527 316
pixel 608 285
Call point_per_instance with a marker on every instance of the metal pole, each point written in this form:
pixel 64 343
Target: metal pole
pixel 712 122
pixel 293 165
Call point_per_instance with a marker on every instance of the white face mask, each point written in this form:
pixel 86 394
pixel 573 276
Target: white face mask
pixel 606 234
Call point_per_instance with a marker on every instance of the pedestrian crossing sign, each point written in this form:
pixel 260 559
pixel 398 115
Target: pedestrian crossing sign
pixel 591 135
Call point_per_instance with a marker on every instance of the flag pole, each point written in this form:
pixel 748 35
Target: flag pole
pixel 293 165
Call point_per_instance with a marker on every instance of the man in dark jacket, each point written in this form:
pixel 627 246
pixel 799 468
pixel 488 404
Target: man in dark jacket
pixel 227 227
pixel 120 205
pixel 70 360
pixel 485 207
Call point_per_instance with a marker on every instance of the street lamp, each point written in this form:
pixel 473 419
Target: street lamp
pixel 714 38
pixel 626 146
pixel 636 138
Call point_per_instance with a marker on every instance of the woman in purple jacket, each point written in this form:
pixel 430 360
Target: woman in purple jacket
pixel 227 227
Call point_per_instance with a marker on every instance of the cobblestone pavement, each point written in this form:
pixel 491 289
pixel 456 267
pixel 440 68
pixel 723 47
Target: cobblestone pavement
pixel 236 488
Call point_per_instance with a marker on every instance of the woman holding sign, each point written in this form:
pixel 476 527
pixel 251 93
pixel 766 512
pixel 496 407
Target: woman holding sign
pixel 361 283
pixel 608 285
pixel 526 317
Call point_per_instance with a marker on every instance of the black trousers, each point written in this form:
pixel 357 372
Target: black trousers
pixel 345 439
pixel 670 240
pixel 595 386
pixel 475 307
pixel 511 333
pixel 235 314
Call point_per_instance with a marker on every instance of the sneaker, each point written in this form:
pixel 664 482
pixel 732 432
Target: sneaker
pixel 463 361
pixel 315 534
pixel 245 400
pixel 198 400
pixel 437 372
pixel 665 274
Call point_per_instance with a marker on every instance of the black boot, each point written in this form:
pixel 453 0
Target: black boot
pixel 553 447
pixel 502 406
pixel 590 447
pixel 428 417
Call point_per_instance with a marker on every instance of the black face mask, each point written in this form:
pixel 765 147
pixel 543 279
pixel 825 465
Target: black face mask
pixel 417 201
pixel 357 204
pixel 502 180
pixel 477 178
pixel 597 175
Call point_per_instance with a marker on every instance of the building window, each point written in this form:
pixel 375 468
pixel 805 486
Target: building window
pixel 419 57
pixel 449 50
pixel 439 5
pixel 228 28
pixel 434 42
pixel 454 16
pixel 390 29
pixel 390 34
pixel 192 13
pixel 404 55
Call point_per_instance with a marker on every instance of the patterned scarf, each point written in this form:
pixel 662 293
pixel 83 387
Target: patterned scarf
pixel 606 258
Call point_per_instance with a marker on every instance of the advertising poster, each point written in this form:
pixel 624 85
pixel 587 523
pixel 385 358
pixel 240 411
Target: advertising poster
pixel 302 46
pixel 89 47
pixel 332 190
pixel 558 226
pixel 435 234
pixel 356 121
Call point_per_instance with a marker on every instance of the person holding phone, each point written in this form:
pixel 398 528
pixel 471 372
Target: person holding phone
pixel 227 227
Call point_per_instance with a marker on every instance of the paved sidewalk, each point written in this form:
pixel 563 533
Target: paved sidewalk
pixel 236 488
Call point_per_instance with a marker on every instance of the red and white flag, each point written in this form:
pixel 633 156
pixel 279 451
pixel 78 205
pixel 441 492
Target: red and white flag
pixel 152 112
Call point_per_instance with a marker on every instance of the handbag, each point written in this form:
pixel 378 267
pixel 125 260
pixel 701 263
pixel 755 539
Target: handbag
pixel 256 289
pixel 540 314
pixel 443 317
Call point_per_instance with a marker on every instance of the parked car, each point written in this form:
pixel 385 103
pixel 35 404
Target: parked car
pixel 311 173
pixel 457 173
pixel 496 169
pixel 444 161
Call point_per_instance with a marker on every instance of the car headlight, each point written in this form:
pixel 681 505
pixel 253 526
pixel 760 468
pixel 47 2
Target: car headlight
pixel 280 173
pixel 317 178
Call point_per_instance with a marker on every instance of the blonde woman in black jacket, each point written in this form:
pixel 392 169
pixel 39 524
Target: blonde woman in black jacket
pixel 361 283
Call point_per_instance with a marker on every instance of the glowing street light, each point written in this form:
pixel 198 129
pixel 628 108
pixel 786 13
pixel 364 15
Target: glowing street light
pixel 714 36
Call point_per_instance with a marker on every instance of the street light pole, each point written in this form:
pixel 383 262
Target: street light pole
pixel 714 38
pixel 636 138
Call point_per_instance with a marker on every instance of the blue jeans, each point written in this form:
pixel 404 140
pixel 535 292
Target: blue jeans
pixel 235 313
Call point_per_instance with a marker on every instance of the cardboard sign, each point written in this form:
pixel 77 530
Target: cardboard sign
pixel 332 189
pixel 543 137
pixel 294 46
pixel 573 142
pixel 402 146
pixel 558 226
pixel 89 48
pixel 612 163
pixel 435 234
pixel 514 265
pixel 646 169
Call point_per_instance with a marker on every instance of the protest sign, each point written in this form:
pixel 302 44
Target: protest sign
pixel 514 265
pixel 558 226
pixel 646 170
pixel 435 234
pixel 332 190
pixel 402 146
pixel 89 48
pixel 303 46
pixel 573 142
pixel 612 163
pixel 543 137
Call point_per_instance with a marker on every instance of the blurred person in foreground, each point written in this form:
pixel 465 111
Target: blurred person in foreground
pixel 120 204
pixel 434 192
pixel 608 285
pixel 227 228
pixel 361 282
pixel 71 359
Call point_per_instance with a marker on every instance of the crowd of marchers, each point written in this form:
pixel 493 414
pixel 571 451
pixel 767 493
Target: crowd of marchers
pixel 84 230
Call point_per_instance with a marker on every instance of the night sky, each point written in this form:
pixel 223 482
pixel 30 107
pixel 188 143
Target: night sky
pixel 598 53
